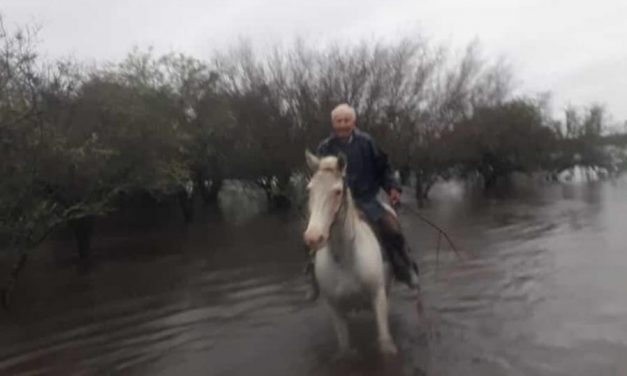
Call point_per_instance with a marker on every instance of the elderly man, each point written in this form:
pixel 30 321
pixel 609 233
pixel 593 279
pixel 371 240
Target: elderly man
pixel 368 171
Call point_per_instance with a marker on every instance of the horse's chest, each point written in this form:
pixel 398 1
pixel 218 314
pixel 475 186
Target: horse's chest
pixel 344 284
pixel 339 282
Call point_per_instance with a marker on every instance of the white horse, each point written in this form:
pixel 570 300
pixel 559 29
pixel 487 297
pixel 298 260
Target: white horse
pixel 349 265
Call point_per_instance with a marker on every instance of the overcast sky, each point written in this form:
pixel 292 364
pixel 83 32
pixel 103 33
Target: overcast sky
pixel 576 49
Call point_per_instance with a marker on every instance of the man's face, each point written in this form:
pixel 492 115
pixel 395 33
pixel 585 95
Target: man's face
pixel 343 125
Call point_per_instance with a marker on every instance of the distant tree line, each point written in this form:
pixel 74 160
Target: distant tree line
pixel 78 142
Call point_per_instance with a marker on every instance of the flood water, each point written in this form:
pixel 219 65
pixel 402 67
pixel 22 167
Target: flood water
pixel 542 291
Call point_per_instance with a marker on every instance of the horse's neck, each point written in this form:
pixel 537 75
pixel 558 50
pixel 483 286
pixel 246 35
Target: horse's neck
pixel 344 231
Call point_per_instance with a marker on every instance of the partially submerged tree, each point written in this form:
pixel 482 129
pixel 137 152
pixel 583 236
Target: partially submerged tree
pixel 497 141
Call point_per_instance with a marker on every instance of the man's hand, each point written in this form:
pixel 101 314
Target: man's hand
pixel 395 197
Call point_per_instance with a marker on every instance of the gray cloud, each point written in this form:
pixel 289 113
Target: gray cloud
pixel 572 48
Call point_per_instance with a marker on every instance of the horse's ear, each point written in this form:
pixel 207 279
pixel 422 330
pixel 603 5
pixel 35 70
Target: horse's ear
pixel 341 163
pixel 313 162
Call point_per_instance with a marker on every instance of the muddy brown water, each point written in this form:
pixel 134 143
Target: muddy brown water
pixel 543 291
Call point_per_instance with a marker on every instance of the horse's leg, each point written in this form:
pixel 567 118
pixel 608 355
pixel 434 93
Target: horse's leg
pixel 341 328
pixel 381 312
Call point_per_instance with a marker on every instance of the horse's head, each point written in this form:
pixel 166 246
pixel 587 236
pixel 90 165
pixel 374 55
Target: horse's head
pixel 327 191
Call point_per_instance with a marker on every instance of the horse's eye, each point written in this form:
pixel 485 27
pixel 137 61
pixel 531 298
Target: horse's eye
pixel 337 192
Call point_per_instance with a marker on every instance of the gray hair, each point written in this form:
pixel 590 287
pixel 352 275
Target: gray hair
pixel 343 108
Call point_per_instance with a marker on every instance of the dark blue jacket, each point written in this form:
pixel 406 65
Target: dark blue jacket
pixel 368 168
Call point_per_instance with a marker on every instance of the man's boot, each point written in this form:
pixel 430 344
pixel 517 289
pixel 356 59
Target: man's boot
pixel 404 268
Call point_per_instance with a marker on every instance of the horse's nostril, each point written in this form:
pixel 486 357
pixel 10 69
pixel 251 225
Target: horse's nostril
pixel 314 240
pixel 309 240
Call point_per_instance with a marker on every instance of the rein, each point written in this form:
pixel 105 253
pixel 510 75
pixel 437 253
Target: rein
pixel 343 204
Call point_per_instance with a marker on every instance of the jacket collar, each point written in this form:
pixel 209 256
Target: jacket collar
pixel 350 139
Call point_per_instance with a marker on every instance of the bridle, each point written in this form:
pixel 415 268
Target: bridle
pixel 343 204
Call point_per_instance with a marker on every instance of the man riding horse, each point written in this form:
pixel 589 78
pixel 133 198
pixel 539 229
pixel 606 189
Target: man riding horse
pixel 368 171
